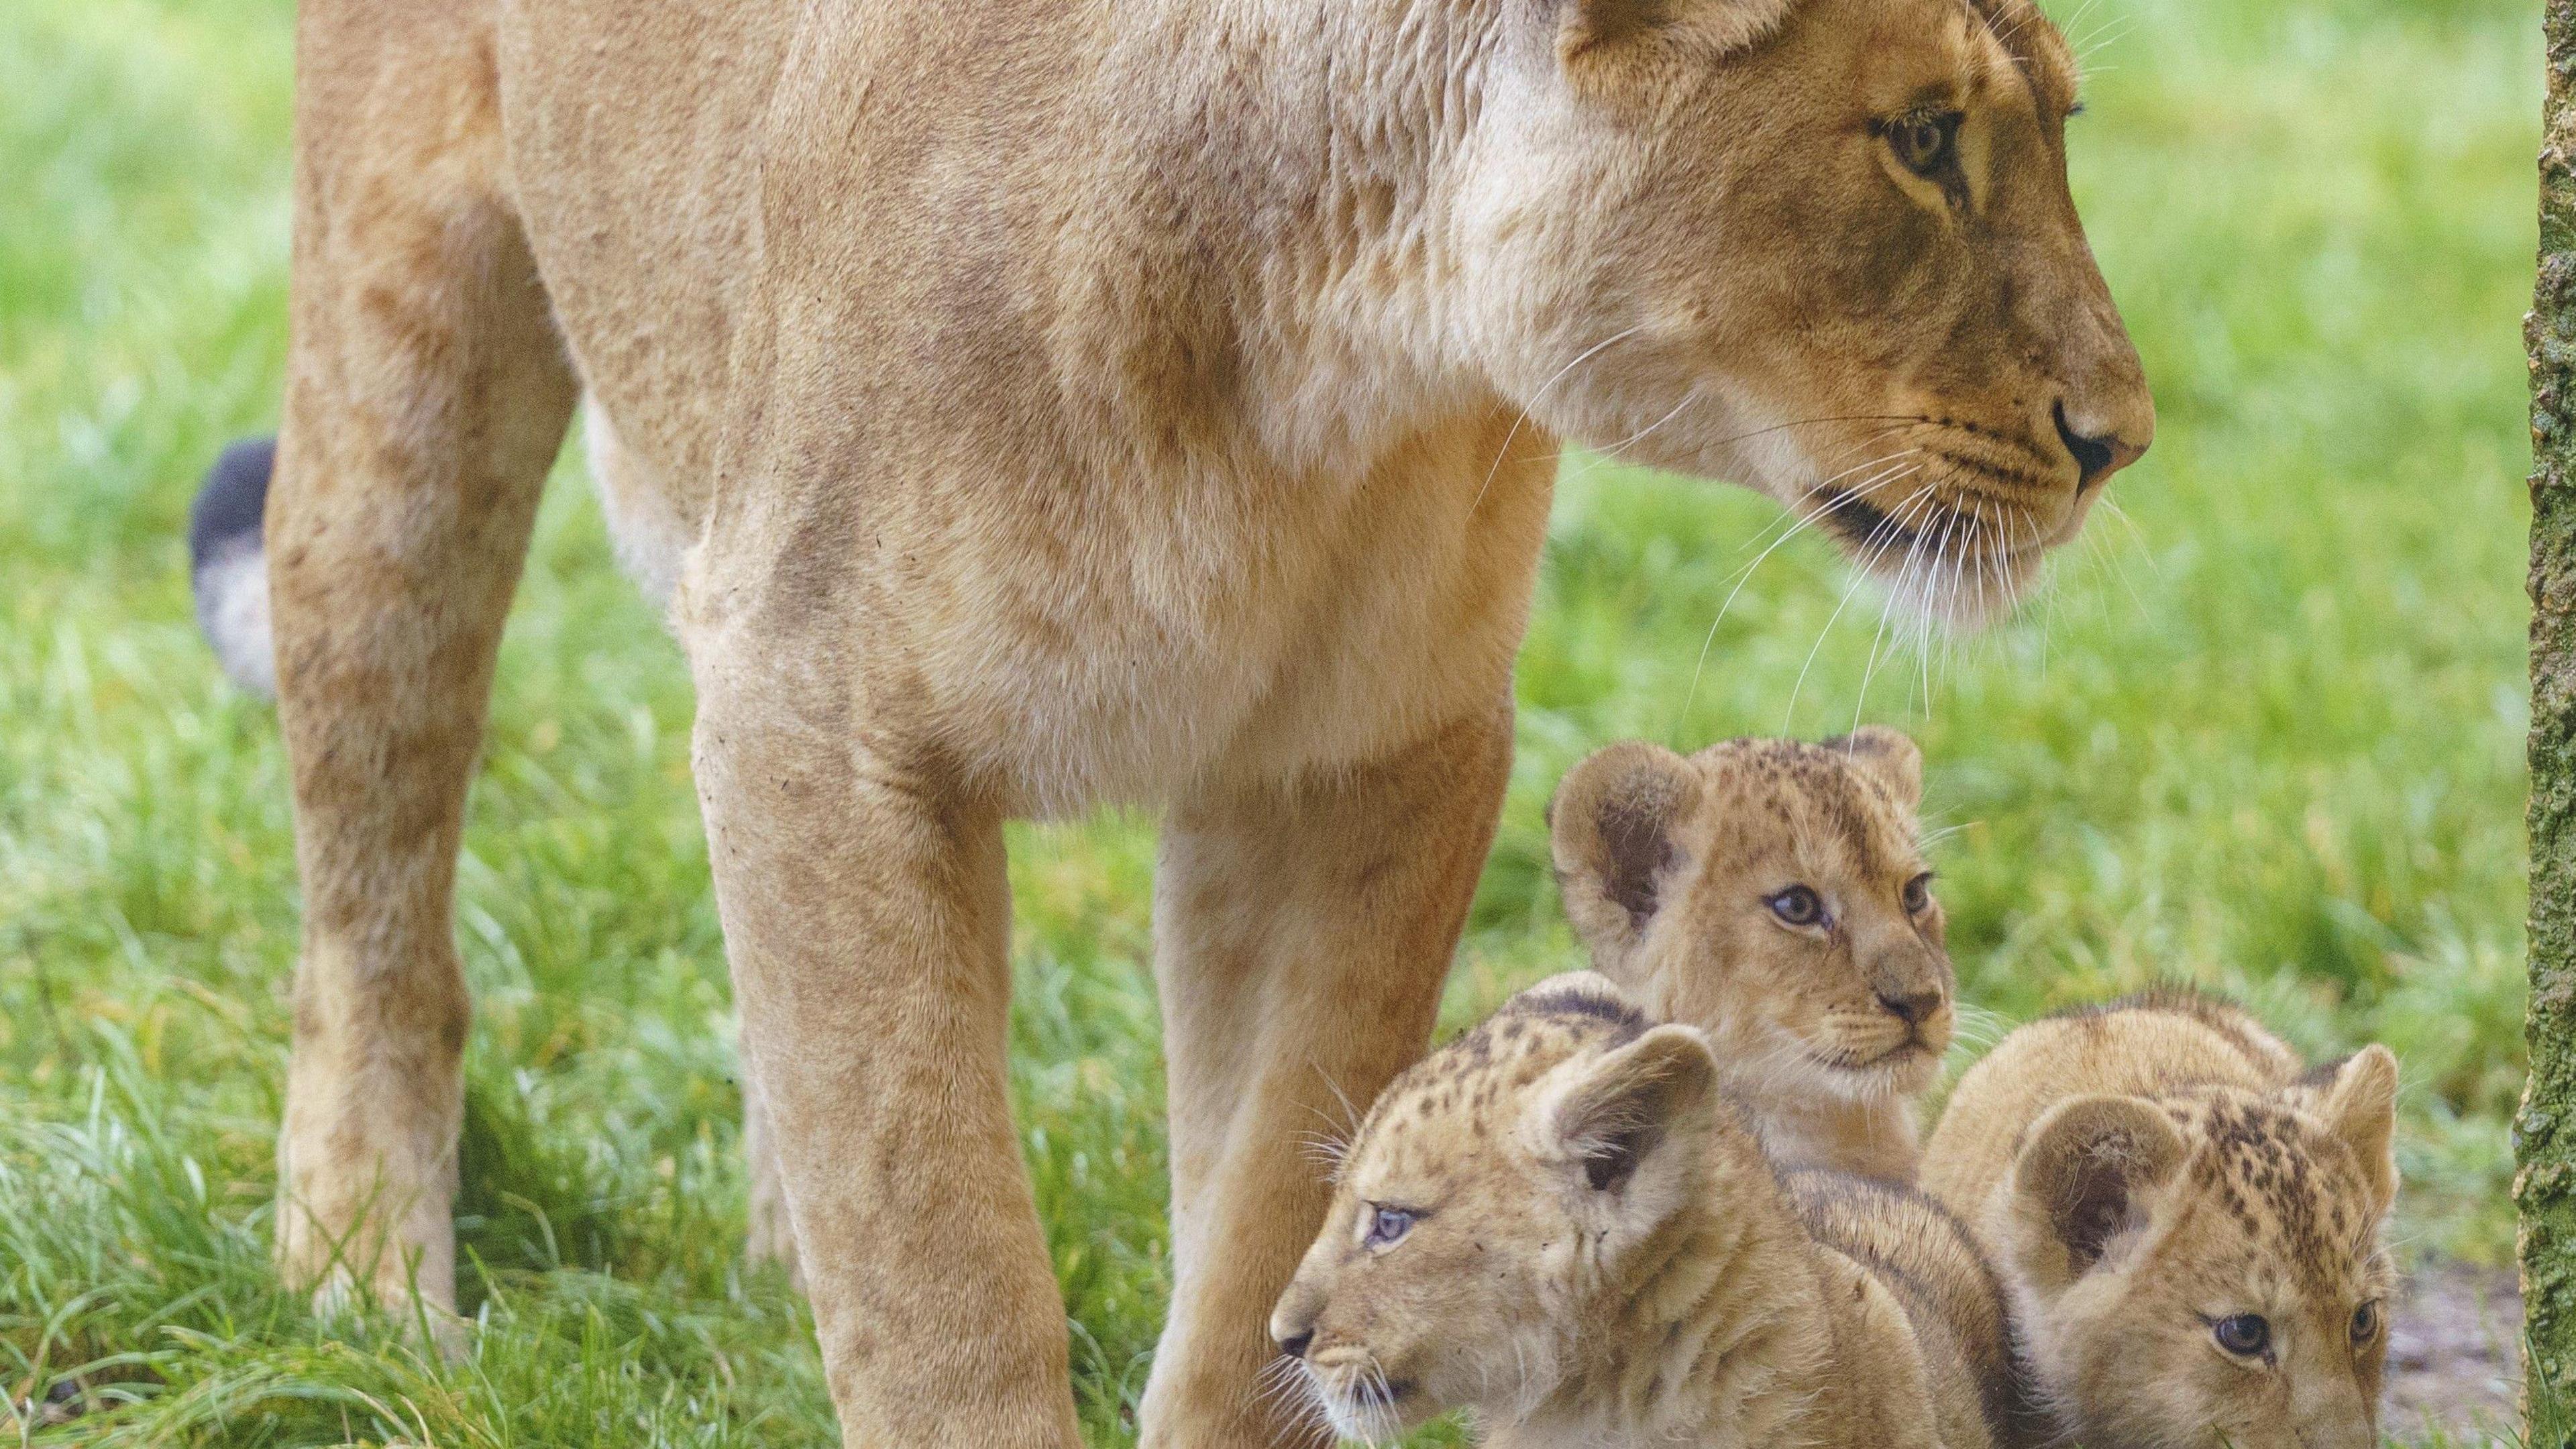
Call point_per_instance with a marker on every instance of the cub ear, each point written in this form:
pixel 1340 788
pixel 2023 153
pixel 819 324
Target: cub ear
pixel 1887 756
pixel 1611 830
pixel 1620 1109
pixel 2360 1108
pixel 2087 1174
pixel 1729 24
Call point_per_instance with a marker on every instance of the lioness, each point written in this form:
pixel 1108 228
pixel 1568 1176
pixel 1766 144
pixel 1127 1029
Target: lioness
pixel 1773 894
pixel 1048 402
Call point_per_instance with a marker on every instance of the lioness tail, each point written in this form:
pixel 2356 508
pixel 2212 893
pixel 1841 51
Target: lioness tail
pixel 229 566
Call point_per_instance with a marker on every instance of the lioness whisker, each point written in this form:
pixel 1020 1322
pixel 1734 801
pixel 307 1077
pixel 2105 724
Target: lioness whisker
pixel 1745 575
pixel 1897 528
pixel 1860 575
pixel 1541 396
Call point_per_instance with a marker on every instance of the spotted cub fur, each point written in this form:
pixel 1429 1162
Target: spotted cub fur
pixel 1560 1222
pixel 1773 894
pixel 2188 1221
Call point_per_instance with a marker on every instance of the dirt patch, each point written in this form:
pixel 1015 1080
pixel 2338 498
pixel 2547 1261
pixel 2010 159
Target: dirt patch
pixel 2454 1356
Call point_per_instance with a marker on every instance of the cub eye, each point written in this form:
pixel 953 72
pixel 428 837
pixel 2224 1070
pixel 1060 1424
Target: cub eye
pixel 2365 1323
pixel 1387 1226
pixel 2244 1334
pixel 1918 894
pixel 1798 906
pixel 1927 144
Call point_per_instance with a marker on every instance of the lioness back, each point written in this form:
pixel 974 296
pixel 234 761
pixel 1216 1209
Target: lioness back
pixel 2186 1222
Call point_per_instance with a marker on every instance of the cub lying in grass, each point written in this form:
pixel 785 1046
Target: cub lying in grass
pixel 1560 1222
pixel 1773 894
pixel 2188 1220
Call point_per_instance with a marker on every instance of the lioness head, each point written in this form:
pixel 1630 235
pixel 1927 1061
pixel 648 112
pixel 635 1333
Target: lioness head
pixel 1771 893
pixel 2205 1271
pixel 1495 1199
pixel 1824 247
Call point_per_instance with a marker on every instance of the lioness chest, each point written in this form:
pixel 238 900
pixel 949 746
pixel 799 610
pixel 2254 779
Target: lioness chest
pixel 939 391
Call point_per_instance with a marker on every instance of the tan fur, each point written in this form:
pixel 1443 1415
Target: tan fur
pixel 1601 1255
pixel 1065 403
pixel 1957 1304
pixel 1668 866
pixel 2144 1170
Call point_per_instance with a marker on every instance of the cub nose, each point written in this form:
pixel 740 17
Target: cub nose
pixel 2099 450
pixel 1911 1007
pixel 1295 1347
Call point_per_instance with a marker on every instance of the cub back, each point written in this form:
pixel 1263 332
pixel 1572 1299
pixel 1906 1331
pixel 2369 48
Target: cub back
pixel 2145 1045
pixel 1962 1315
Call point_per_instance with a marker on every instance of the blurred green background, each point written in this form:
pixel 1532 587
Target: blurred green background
pixel 2265 732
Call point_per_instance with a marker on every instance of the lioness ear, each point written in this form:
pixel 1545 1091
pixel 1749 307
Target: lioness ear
pixel 2360 1109
pixel 1611 830
pixel 1621 1109
pixel 1887 756
pixel 2086 1176
pixel 1588 25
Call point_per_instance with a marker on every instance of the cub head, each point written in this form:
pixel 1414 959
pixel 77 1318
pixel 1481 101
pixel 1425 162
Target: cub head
pixel 2206 1271
pixel 1822 247
pixel 1497 1199
pixel 1771 893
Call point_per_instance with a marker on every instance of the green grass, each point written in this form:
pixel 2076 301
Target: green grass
pixel 2265 733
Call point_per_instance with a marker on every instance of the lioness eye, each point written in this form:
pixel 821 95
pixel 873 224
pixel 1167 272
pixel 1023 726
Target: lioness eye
pixel 1387 1226
pixel 1926 144
pixel 1798 906
pixel 2245 1334
pixel 1918 894
pixel 2365 1322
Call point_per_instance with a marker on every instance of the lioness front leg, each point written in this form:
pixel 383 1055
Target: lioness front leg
pixel 866 914
pixel 1301 937
pixel 427 395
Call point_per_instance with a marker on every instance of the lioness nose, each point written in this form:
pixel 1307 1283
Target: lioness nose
pixel 1296 1347
pixel 2099 450
pixel 1913 1006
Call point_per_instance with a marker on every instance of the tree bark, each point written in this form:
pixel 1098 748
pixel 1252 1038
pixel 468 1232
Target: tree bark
pixel 2545 1129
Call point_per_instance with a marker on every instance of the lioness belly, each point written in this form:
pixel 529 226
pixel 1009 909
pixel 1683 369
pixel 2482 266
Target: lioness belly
pixel 1157 652
pixel 631 127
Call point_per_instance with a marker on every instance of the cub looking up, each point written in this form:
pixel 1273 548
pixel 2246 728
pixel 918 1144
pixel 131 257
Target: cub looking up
pixel 1560 1222
pixel 1772 893
pixel 2189 1223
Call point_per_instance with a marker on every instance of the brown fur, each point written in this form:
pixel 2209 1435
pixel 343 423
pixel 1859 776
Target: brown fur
pixel 1668 866
pixel 1048 404
pixel 1602 1256
pixel 1960 1311
pixel 2144 1170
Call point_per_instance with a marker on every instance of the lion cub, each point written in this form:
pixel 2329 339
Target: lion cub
pixel 1559 1222
pixel 1773 894
pixel 2189 1222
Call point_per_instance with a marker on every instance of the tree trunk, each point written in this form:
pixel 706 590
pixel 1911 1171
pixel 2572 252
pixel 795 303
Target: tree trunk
pixel 2545 1129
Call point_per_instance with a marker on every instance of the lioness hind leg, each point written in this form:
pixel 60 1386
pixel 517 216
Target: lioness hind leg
pixel 426 397
pixel 770 1239
pixel 1301 936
